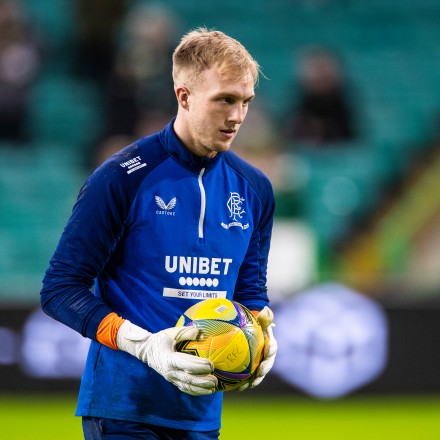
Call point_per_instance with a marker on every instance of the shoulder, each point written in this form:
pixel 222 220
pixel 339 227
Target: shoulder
pixel 120 176
pixel 131 164
pixel 146 153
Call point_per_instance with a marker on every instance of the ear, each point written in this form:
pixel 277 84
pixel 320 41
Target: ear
pixel 182 94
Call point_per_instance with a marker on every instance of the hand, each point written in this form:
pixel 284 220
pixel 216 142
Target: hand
pixel 265 318
pixel 189 373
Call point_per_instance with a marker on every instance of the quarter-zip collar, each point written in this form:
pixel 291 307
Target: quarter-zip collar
pixel 175 148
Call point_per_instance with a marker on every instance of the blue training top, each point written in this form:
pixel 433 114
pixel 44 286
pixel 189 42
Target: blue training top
pixel 156 229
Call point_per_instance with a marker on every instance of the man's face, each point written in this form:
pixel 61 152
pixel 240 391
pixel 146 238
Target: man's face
pixel 217 107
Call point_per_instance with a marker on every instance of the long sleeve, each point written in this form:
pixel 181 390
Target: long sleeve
pixel 251 285
pixel 89 238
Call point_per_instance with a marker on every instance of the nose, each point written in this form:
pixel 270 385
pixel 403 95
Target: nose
pixel 237 114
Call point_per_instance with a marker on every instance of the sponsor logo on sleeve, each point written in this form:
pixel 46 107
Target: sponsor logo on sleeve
pixel 133 164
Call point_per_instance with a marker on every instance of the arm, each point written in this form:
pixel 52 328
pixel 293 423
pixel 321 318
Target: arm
pixel 251 287
pixel 90 237
pixel 85 246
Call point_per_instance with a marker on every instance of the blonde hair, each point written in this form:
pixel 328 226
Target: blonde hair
pixel 202 49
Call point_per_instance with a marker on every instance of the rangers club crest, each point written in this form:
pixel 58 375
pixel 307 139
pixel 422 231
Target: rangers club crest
pixel 236 211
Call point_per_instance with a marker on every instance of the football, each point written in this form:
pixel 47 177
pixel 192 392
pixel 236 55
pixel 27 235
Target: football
pixel 230 336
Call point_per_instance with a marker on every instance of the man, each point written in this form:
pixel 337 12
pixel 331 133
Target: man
pixel 165 222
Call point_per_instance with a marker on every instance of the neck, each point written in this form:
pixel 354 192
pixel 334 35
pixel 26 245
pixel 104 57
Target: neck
pixel 184 135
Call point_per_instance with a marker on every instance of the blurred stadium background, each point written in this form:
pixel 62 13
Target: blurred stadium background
pixel 363 212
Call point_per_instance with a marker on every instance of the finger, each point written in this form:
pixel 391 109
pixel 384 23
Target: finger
pixel 207 383
pixel 265 317
pixel 244 387
pixel 183 333
pixel 194 390
pixel 272 345
pixel 257 381
pixel 265 367
pixel 192 364
pixel 261 372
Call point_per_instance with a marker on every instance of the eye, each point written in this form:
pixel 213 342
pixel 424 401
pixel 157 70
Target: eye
pixel 246 102
pixel 226 100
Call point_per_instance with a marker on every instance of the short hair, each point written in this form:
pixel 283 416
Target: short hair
pixel 201 49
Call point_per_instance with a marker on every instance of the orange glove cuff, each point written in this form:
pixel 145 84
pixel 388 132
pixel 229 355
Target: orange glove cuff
pixel 108 329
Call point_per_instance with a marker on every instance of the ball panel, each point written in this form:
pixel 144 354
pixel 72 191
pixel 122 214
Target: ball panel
pixel 181 321
pixel 229 381
pixel 219 308
pixel 233 355
pixel 212 339
pixel 255 338
pixel 186 347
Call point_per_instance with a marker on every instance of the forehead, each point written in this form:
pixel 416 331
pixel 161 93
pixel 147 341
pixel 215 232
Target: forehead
pixel 213 82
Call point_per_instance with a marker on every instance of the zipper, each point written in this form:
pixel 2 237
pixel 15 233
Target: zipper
pixel 202 202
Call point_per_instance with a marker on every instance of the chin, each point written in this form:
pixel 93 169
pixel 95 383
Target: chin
pixel 222 148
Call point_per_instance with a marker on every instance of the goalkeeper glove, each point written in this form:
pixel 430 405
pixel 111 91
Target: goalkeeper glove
pixel 190 374
pixel 265 318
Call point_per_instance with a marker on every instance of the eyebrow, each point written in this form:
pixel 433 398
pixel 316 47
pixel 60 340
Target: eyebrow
pixel 233 95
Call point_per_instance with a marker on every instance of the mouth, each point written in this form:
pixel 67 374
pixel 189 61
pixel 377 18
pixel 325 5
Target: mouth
pixel 228 133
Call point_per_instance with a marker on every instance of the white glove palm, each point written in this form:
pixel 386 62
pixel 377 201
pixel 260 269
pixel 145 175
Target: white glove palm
pixel 265 318
pixel 190 374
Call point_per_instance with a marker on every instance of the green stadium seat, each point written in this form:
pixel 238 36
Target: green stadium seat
pixel 66 112
pixel 38 185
